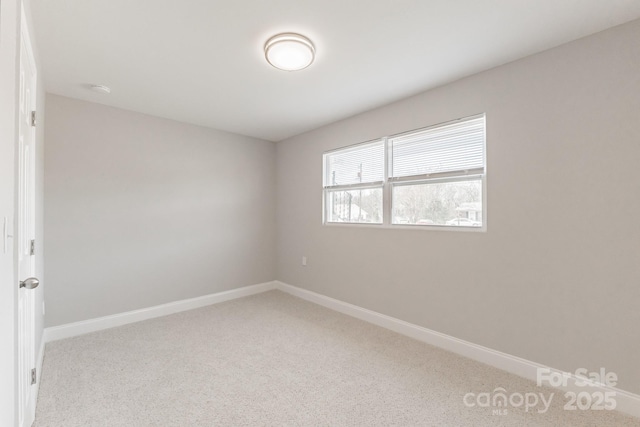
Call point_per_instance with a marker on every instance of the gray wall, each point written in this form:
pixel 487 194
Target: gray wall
pixel 555 277
pixel 142 211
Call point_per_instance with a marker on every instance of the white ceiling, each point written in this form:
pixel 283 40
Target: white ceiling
pixel 201 61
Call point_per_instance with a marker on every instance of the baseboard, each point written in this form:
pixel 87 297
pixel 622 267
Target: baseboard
pixel 92 325
pixel 628 403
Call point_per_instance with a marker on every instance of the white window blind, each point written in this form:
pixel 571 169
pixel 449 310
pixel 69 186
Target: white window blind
pixel 455 148
pixel 361 164
pixel 430 177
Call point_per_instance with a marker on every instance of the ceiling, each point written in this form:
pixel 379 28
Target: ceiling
pixel 202 61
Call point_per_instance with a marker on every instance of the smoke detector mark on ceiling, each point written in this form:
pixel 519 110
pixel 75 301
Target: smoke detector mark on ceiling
pixel 100 89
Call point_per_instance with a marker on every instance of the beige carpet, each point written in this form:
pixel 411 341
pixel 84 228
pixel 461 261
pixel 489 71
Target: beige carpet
pixel 272 359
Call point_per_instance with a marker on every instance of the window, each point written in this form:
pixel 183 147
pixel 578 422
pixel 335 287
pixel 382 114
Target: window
pixel 433 177
pixel 436 175
pixel 353 183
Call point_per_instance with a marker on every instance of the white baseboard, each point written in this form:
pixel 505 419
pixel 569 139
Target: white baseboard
pixel 92 325
pixel 628 403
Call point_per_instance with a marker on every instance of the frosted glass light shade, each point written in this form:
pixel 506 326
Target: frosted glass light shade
pixel 289 51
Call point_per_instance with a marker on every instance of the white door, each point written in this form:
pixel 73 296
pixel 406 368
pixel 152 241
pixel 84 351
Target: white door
pixel 26 233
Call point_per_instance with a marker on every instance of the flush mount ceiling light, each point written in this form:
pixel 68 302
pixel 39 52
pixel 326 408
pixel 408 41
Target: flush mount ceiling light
pixel 289 51
pixel 100 89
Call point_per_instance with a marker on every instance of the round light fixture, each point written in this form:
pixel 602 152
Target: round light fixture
pixel 289 51
pixel 100 89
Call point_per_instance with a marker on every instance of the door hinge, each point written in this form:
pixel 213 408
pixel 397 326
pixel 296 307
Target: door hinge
pixel 32 248
pixel 33 118
pixel 33 376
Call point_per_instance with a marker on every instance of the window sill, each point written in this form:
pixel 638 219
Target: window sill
pixel 482 229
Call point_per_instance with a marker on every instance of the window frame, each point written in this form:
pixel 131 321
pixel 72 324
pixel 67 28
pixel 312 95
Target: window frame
pixel 390 182
pixel 326 189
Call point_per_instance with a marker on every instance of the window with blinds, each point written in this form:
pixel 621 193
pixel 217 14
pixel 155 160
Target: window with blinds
pixel 428 177
pixel 353 183
pixel 451 149
pixel 359 164
pixel 436 175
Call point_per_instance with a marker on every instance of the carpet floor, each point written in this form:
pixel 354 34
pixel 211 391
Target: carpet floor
pixel 273 359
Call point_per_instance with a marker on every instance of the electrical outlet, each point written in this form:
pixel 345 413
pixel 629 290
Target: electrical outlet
pixel 304 261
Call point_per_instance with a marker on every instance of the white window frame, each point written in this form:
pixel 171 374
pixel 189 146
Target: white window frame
pixel 389 182
pixel 326 189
